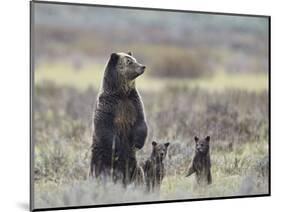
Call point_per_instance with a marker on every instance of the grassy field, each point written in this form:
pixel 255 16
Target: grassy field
pixel 91 75
pixel 231 108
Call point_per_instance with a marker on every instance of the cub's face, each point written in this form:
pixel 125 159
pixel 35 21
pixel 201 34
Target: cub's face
pixel 128 67
pixel 159 150
pixel 202 145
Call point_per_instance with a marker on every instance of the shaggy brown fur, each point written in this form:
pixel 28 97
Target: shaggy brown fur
pixel 154 169
pixel 119 123
pixel 201 163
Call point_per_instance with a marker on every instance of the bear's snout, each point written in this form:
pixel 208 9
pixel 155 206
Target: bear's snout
pixel 141 69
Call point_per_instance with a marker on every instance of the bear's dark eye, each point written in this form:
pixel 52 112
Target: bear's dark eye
pixel 129 62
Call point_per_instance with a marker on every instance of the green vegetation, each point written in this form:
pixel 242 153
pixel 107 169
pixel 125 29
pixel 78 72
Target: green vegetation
pixel 91 75
pixel 65 75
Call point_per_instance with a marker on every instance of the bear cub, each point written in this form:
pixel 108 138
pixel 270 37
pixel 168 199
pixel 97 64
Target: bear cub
pixel 201 163
pixel 154 169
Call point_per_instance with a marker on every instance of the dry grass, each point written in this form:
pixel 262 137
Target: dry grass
pixel 237 122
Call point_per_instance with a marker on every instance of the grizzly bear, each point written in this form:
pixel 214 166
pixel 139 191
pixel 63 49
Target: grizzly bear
pixel 119 125
pixel 201 163
pixel 154 169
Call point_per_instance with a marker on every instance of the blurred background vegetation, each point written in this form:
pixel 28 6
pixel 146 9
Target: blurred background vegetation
pixel 206 74
pixel 71 39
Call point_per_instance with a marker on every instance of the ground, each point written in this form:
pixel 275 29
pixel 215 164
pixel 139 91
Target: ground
pixel 231 108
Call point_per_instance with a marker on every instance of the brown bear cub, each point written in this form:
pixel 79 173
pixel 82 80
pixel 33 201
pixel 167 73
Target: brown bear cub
pixel 201 163
pixel 154 169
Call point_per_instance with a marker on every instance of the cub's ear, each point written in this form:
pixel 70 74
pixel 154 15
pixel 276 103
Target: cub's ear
pixel 196 139
pixel 154 143
pixel 167 144
pixel 130 53
pixel 208 138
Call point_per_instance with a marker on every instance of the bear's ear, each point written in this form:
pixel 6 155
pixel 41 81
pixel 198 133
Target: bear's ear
pixel 208 138
pixel 167 144
pixel 114 57
pixel 196 139
pixel 154 143
pixel 130 53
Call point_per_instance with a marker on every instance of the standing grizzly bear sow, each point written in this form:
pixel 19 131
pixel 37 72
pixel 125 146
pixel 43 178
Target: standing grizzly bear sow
pixel 201 163
pixel 119 126
pixel 154 169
